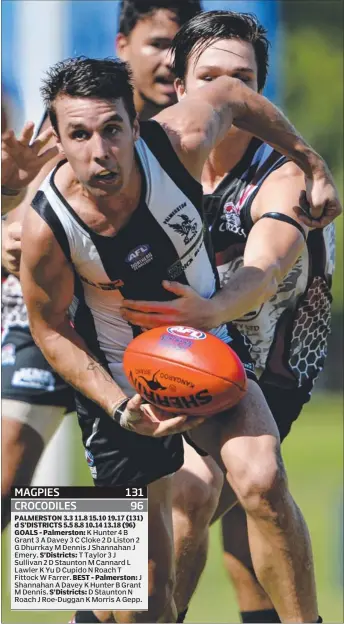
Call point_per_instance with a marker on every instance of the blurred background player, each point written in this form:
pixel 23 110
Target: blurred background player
pixel 146 30
pixel 276 282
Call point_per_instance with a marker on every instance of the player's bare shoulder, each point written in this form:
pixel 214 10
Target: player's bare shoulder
pixel 188 129
pixel 288 173
pixel 280 192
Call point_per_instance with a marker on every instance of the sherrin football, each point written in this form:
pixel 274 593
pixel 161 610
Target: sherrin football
pixel 185 370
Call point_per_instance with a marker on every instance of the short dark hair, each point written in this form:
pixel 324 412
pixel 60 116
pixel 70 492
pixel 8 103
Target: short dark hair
pixel 208 27
pixel 108 79
pixel 131 11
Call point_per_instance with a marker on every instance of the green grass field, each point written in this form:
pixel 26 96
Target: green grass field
pixel 314 459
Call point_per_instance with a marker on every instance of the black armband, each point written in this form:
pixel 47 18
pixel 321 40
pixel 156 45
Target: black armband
pixel 279 216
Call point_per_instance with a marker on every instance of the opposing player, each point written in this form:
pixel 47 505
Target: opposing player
pixel 79 242
pixel 276 275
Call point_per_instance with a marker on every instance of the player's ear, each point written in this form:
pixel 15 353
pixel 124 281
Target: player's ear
pixel 136 128
pixel 58 142
pixel 180 88
pixel 121 46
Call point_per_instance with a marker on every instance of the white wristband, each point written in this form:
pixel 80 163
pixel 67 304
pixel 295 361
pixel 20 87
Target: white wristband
pixel 124 416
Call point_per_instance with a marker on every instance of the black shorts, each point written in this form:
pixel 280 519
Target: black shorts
pixel 27 376
pixel 119 457
pixel 116 456
pixel 285 404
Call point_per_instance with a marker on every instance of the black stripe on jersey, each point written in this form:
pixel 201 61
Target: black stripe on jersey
pixel 142 282
pixel 160 145
pixel 41 205
pixel 63 200
pixel 279 216
pixel 246 209
pixel 317 254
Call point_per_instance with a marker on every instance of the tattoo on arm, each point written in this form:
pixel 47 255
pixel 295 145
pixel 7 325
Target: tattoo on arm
pixel 95 365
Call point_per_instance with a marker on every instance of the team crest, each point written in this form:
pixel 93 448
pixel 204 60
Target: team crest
pixel 231 215
pixel 186 227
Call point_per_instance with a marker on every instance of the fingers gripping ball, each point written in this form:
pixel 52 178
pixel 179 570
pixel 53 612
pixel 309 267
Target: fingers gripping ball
pixel 181 369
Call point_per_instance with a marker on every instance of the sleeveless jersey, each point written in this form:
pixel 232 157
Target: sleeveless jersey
pixel 288 333
pixel 164 239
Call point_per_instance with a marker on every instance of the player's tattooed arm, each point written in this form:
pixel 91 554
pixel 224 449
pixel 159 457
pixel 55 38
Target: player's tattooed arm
pixel 48 285
pixel 201 120
pixel 95 365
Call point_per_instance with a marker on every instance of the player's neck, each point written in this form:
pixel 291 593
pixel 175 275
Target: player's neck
pixel 119 208
pixel 146 109
pixel 223 158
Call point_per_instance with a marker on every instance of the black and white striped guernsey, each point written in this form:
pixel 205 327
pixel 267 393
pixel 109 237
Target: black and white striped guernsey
pixel 164 239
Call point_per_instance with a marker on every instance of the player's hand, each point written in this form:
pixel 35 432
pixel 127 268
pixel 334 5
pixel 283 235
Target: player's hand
pixel 146 419
pixel 189 309
pixel 20 161
pixel 319 204
pixel 11 247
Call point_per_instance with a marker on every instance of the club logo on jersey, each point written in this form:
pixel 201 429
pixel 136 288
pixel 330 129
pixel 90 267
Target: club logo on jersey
pixel 174 212
pixel 186 227
pixel 187 332
pixel 8 354
pixel 139 257
pixel 231 221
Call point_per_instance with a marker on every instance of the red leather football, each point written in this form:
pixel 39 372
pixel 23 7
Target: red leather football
pixel 185 370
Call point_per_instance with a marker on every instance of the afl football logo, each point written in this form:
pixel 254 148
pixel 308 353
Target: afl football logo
pixel 186 332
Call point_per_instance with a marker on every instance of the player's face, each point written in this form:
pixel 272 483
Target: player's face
pixel 226 57
pixel 97 138
pixel 146 51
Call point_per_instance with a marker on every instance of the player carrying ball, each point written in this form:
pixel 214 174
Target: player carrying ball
pixel 92 211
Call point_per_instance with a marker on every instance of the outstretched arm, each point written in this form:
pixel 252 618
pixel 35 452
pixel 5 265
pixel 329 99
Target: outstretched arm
pixel 271 251
pixel 201 120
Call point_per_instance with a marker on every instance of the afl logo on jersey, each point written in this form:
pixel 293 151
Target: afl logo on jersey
pixel 139 257
pixel 186 332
